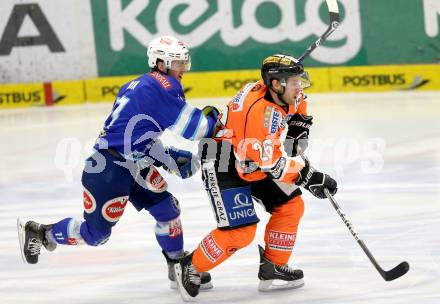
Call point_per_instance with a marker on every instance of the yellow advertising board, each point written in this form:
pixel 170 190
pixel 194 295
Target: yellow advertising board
pixel 67 92
pixel 385 78
pixel 228 83
pixel 21 95
pixel 104 89
pixel 220 84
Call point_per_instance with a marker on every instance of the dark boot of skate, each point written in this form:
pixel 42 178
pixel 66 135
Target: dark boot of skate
pixel 32 236
pixel 274 276
pixel 187 278
pixel 205 277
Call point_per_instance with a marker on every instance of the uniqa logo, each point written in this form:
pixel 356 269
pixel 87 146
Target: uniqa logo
pixel 241 200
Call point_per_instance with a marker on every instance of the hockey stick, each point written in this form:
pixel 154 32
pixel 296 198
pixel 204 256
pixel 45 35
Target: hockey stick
pixel 334 23
pixel 389 275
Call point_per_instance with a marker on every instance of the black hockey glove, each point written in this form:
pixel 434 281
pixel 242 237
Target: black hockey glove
pixel 297 134
pixel 316 181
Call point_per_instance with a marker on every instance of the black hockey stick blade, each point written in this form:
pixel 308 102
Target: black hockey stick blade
pixel 333 10
pixel 396 272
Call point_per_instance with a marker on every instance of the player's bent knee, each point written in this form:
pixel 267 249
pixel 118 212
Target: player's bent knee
pixel 165 210
pixel 237 238
pixel 291 209
pixel 93 236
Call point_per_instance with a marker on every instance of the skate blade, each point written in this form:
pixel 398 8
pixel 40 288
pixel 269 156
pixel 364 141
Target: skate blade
pixel 270 285
pixel 203 286
pixel 21 234
pixel 178 275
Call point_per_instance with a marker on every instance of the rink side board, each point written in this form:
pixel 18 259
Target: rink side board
pixel 221 84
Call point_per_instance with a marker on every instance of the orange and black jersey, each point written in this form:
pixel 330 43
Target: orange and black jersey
pixel 253 124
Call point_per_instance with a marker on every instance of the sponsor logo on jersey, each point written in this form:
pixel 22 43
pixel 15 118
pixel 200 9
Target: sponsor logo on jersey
pixel 210 248
pixel 214 194
pixel 238 100
pixel 241 200
pixel 267 114
pixel 113 209
pixel 89 201
pixel 282 241
pixel 241 214
pixel 155 182
pixel 175 228
pixel 275 121
pixel 161 79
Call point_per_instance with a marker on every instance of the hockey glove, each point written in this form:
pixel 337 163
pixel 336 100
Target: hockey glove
pixel 212 113
pixel 181 163
pixel 297 134
pixel 315 181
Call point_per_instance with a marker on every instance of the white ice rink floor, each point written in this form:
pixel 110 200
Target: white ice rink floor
pixel 383 149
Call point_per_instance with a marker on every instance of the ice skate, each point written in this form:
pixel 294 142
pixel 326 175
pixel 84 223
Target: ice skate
pixel 32 236
pixel 187 278
pixel 273 277
pixel 205 277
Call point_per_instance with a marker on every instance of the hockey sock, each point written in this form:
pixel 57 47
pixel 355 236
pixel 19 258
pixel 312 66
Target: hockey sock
pixel 67 232
pixel 170 237
pixel 219 245
pixel 281 230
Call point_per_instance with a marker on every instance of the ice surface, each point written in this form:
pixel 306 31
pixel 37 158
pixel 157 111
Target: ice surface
pixel 384 150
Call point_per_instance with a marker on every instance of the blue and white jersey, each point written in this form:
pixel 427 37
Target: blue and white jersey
pixel 143 109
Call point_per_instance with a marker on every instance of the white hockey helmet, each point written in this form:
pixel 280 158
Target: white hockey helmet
pixel 173 52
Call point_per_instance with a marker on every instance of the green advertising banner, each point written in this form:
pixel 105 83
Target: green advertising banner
pixel 238 34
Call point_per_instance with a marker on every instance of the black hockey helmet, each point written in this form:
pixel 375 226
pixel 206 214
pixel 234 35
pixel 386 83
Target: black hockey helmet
pixel 281 67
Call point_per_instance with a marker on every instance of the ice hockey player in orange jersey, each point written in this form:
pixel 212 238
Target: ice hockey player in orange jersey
pixel 248 161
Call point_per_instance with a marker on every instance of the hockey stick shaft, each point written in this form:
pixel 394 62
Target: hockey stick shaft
pixel 392 274
pixel 334 23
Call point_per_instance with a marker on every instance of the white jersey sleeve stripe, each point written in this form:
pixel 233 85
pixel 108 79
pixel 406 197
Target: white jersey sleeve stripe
pixel 202 128
pixel 183 120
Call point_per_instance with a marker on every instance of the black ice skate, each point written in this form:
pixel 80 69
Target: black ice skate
pixel 187 278
pixel 32 236
pixel 274 277
pixel 205 277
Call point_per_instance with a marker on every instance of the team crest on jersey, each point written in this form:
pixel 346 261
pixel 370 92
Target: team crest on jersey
pixel 89 201
pixel 161 79
pixel 114 208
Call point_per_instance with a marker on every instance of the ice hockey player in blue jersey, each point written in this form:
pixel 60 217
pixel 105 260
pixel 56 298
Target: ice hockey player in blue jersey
pixel 123 167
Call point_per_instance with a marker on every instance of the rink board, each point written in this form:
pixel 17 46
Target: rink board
pixel 226 84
